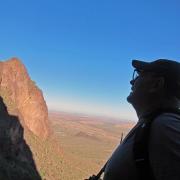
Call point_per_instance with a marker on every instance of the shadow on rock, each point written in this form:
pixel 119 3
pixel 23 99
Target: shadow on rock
pixel 16 161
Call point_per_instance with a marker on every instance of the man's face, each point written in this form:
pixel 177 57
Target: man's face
pixel 141 89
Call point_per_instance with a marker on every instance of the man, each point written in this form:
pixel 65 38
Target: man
pixel 156 86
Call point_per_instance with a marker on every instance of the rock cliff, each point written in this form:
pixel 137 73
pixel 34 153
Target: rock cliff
pixel 16 158
pixel 23 98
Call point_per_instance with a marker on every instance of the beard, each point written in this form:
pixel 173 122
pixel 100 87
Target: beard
pixel 137 98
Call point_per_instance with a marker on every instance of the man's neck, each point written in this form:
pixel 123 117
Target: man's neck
pixel 165 104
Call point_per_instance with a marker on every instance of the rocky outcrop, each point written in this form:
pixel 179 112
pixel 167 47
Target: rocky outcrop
pixel 23 98
pixel 16 158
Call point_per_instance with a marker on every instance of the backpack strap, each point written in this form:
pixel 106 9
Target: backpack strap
pixel 140 147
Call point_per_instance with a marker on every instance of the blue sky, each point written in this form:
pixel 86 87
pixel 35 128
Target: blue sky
pixel 79 52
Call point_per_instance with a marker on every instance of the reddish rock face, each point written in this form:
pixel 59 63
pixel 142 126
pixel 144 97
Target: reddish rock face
pixel 23 98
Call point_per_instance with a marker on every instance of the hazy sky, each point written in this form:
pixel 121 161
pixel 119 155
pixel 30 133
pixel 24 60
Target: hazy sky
pixel 79 52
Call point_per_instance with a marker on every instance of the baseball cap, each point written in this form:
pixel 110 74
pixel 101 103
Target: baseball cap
pixel 159 66
pixel 169 69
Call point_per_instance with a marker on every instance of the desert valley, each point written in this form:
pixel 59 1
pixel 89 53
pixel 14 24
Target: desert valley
pixel 86 141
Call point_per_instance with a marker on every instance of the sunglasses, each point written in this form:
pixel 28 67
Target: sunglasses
pixel 135 75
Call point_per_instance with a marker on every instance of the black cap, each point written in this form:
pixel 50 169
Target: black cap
pixel 170 69
pixel 159 66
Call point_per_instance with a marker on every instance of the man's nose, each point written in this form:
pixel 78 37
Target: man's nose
pixel 132 82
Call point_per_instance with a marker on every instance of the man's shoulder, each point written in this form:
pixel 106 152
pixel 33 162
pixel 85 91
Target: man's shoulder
pixel 166 125
pixel 166 119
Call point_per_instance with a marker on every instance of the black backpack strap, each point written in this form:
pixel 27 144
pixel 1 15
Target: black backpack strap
pixel 140 147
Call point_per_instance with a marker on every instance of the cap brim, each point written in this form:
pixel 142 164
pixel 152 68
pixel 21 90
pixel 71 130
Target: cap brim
pixel 140 65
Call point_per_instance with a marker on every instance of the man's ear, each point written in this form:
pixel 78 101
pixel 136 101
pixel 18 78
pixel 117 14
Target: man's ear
pixel 157 84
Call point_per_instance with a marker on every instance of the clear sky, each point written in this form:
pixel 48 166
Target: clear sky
pixel 79 52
